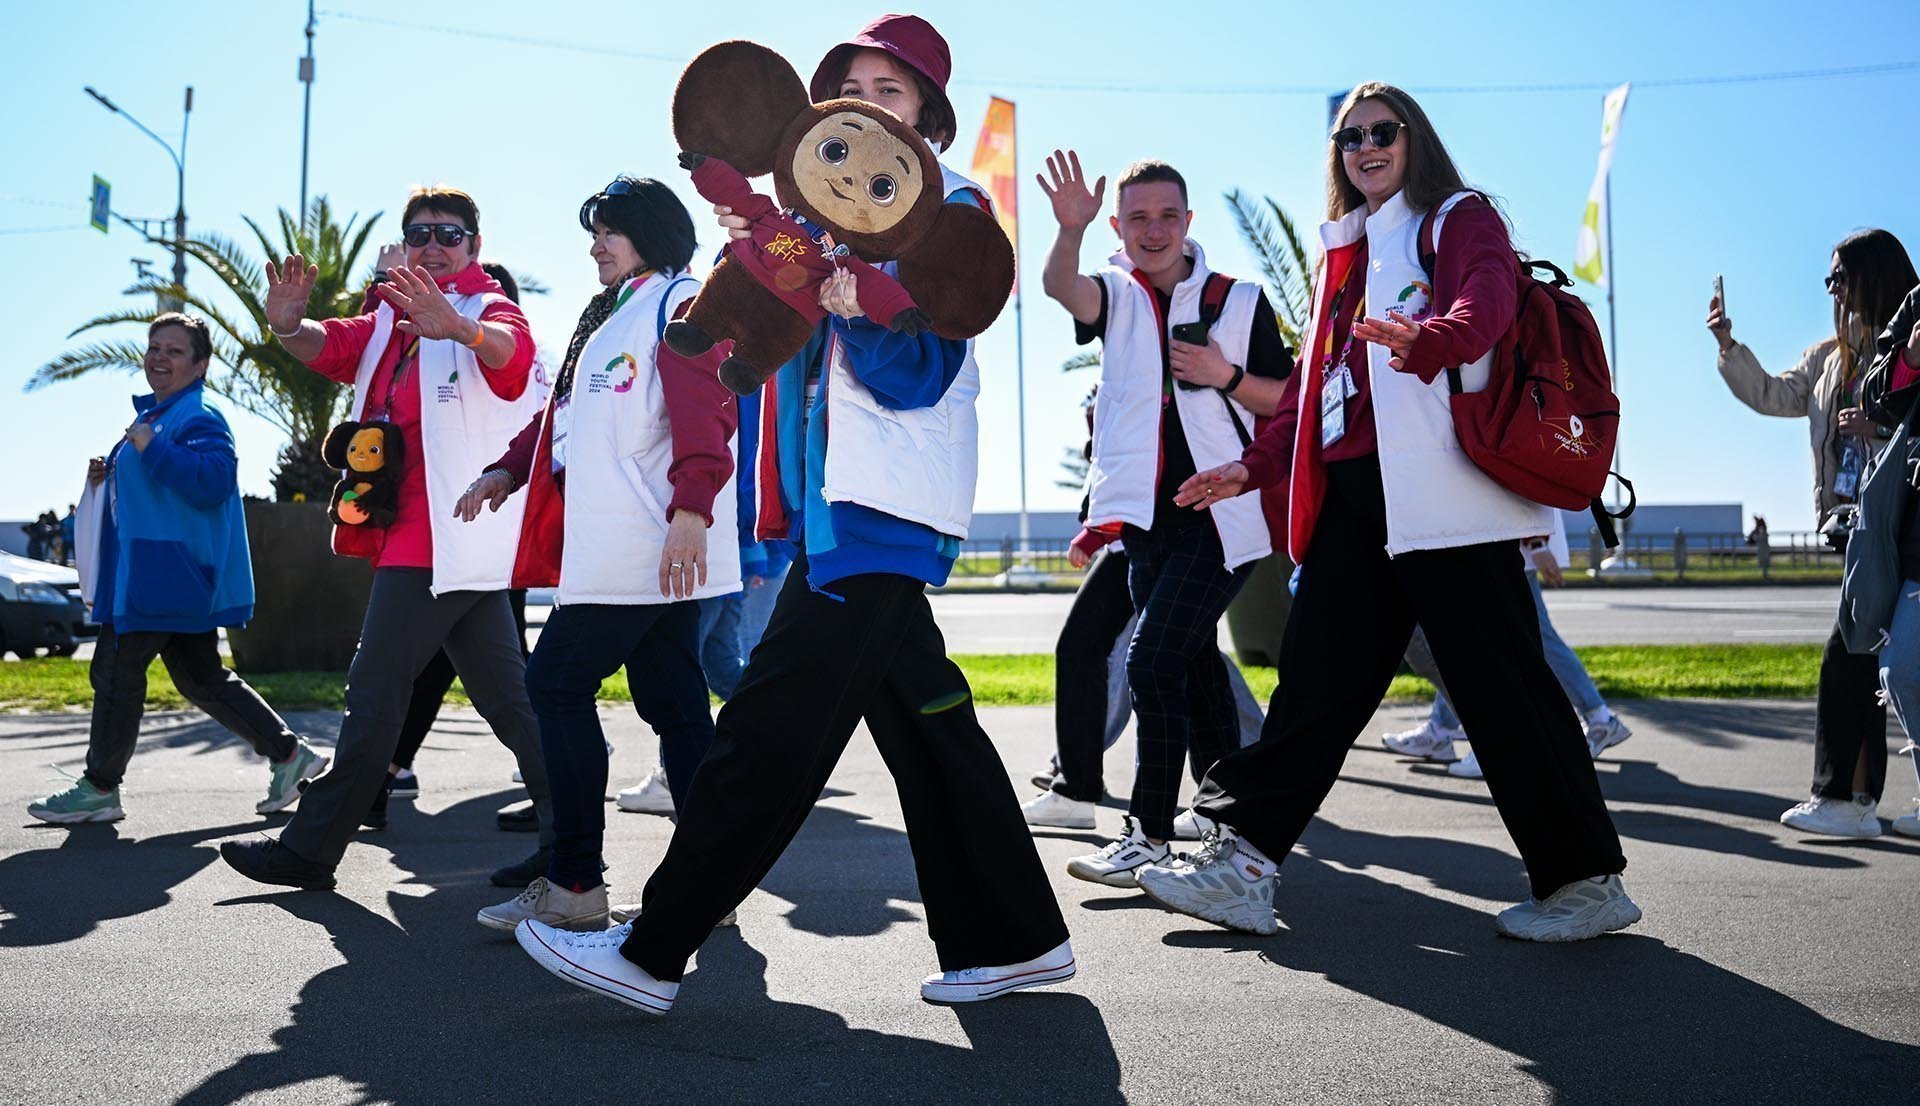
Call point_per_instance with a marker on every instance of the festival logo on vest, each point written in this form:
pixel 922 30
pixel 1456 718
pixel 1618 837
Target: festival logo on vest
pixel 1416 300
pixel 633 371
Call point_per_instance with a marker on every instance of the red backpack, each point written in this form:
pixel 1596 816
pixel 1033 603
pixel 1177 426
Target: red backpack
pixel 1546 425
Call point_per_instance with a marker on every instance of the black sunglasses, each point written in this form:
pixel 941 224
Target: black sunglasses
pixel 1382 134
pixel 447 234
pixel 1836 280
pixel 617 188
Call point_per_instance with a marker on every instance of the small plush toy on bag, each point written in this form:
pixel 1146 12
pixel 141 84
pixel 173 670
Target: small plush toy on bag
pixel 369 488
pixel 856 185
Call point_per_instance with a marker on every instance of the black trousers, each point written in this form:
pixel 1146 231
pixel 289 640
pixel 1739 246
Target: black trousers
pixel 871 649
pixel 1100 611
pixel 1351 619
pixel 430 689
pixel 1848 717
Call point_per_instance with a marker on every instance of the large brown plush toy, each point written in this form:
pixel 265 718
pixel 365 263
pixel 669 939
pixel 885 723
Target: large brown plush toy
pixel 369 489
pixel 856 185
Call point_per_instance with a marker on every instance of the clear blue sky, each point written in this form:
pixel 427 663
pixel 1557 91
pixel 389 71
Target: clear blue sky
pixel 1756 181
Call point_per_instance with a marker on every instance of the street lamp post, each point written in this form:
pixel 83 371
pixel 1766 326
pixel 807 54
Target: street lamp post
pixel 180 168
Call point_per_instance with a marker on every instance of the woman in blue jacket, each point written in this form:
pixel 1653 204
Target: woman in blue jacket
pixel 170 568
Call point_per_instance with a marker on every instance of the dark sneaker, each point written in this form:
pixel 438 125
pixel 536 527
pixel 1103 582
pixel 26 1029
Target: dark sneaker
pixel 403 785
pixel 376 816
pixel 520 819
pixel 268 861
pixel 525 872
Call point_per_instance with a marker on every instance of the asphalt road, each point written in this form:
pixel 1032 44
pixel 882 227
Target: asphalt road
pixel 995 623
pixel 136 968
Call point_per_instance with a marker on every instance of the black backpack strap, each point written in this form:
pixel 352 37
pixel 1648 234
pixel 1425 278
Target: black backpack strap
pixel 1213 299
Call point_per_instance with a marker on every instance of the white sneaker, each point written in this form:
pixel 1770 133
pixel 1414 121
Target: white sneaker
pixel 1426 741
pixel 1467 767
pixel 981 984
pixel 1582 909
pixel 627 912
pixel 555 906
pixel 516 776
pixel 1116 864
pixel 592 962
pixel 1908 824
pixel 1834 817
pixel 1191 825
pixel 1050 808
pixel 1602 736
pixel 1218 884
pixel 649 796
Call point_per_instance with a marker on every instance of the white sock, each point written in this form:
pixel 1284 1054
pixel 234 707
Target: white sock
pixel 1250 862
pixel 1600 715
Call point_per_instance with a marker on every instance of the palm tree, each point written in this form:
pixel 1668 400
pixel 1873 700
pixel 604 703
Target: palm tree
pixel 251 369
pixel 1270 233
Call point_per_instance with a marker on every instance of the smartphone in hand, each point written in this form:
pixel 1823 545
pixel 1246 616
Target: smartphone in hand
pixel 1720 292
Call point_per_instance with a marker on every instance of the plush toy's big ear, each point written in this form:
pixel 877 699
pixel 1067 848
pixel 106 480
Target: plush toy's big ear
pixel 334 450
pixel 734 101
pixel 960 272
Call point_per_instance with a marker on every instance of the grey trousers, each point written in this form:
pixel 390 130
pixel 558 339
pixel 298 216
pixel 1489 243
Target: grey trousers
pixel 119 677
pixel 405 626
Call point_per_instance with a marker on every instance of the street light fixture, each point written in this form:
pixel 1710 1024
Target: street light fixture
pixel 180 167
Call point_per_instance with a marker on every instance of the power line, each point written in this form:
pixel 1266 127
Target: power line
pixel 44 230
pixel 1834 73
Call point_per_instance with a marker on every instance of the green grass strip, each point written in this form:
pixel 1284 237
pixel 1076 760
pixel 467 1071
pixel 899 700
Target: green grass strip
pixel 1751 671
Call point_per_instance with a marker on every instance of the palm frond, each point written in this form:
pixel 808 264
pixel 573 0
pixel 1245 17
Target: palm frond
pixel 1086 359
pixel 144 316
pixel 74 364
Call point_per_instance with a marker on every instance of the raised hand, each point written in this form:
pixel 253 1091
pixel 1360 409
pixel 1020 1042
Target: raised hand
pixel 1204 489
pixel 736 226
pixel 1073 205
pixel 392 256
pixel 289 286
pixel 429 313
pixel 1718 322
pixel 1396 332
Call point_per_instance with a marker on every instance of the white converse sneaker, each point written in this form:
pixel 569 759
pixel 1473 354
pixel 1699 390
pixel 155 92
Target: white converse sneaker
pixel 627 912
pixel 1050 808
pixel 1467 767
pixel 592 962
pixel 1116 864
pixel 556 906
pixel 981 984
pixel 1426 741
pixel 1834 817
pixel 649 796
pixel 1192 825
pixel 1582 909
pixel 1218 884
pixel 1602 736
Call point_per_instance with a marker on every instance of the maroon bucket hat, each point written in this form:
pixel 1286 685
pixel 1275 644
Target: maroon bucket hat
pixel 910 40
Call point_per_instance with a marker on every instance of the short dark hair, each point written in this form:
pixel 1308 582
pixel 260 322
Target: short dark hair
pixel 649 215
pixel 196 328
pixel 1151 171
pixel 508 286
pixel 438 197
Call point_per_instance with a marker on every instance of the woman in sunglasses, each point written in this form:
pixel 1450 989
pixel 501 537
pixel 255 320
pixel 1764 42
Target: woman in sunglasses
pixel 626 468
pixel 445 358
pixel 1867 275
pixel 1394 526
pixel 868 454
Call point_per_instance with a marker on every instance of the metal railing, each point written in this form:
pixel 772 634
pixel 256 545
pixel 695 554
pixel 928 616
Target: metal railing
pixel 1682 556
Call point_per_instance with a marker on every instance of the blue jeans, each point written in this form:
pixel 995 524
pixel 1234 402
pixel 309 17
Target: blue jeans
pixel 756 607
pixel 1560 657
pixel 1900 662
pixel 720 656
pixel 583 644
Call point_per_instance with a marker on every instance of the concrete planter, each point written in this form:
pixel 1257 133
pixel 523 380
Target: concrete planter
pixel 308 603
pixel 1258 615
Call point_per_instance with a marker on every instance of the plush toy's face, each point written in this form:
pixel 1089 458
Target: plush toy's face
pixel 855 171
pixel 367 450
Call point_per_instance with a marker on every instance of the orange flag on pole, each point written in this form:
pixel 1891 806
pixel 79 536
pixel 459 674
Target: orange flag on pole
pixel 996 169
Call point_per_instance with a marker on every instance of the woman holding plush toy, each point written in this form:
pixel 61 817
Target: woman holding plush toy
pixel 626 468
pixel 868 458
pixel 440 366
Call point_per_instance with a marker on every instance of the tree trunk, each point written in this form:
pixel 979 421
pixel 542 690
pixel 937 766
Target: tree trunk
pixel 308 603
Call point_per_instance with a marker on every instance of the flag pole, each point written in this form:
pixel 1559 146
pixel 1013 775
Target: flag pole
pixel 1613 336
pixel 1020 349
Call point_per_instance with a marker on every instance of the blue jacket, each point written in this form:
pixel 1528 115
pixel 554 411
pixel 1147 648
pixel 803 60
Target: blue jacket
pixel 173 551
pixel 757 558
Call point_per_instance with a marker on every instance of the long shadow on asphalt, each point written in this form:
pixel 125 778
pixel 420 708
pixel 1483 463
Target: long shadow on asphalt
pixel 435 1009
pixel 93 875
pixel 1620 1019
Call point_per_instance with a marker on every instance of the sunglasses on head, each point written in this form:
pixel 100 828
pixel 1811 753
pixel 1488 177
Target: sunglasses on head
pixel 1836 280
pixel 617 188
pixel 447 234
pixel 1382 134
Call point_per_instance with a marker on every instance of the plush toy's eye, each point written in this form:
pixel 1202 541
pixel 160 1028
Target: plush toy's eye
pixel 834 151
pixel 883 189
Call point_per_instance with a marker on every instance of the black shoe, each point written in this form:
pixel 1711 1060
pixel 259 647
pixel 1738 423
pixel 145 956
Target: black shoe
pixel 376 816
pixel 525 872
pixel 268 861
pixel 518 820
pixel 408 788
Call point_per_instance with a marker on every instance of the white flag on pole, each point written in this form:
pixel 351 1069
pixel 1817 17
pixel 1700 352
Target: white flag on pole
pixel 1590 262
